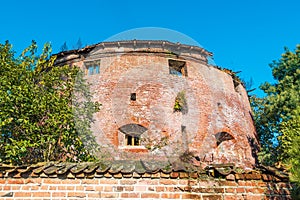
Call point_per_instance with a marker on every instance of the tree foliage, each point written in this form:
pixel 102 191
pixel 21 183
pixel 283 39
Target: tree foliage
pixel 78 44
pixel 40 119
pixel 64 47
pixel 278 113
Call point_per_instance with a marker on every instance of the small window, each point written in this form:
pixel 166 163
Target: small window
pixel 132 140
pixel 97 69
pixel 132 134
pixel 183 129
pixel 223 136
pixel 177 67
pixel 133 96
pixel 92 68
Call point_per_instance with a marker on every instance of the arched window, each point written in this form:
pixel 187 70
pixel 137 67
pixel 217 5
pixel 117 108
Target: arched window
pixel 132 134
pixel 223 136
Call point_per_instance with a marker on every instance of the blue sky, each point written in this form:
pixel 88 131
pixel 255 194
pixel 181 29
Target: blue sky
pixel 243 35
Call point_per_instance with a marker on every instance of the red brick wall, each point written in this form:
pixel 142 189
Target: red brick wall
pixel 214 105
pixel 152 187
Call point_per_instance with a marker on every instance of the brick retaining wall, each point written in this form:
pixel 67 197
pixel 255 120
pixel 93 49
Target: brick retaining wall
pixel 141 180
pixel 141 188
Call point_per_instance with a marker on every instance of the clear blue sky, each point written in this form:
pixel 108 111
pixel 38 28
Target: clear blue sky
pixel 243 35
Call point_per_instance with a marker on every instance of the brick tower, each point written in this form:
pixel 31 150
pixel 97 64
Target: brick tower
pixel 162 100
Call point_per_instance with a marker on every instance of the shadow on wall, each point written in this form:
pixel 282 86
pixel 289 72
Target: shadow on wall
pixel 282 191
pixel 254 149
pixel 296 192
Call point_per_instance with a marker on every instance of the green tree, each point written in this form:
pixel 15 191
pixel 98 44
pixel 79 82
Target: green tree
pixel 278 113
pixel 41 118
pixel 64 47
pixel 78 44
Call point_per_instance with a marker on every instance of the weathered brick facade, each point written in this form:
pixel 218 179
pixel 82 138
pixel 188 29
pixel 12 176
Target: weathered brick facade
pixel 214 123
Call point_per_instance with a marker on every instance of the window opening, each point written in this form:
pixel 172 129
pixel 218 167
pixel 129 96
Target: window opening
pixel 223 136
pixel 90 71
pixel 93 68
pixel 133 96
pixel 183 129
pixel 177 67
pixel 132 140
pixel 132 134
pixel 97 69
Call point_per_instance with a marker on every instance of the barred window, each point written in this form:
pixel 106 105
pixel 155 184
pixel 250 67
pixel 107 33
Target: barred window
pixel 92 68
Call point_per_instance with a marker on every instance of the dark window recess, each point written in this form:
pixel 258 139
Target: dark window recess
pixel 132 140
pixel 223 136
pixel 133 96
pixel 177 67
pixel 133 134
pixel 183 129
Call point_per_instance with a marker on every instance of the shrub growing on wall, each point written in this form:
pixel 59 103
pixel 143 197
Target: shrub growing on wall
pixel 38 113
pixel 180 104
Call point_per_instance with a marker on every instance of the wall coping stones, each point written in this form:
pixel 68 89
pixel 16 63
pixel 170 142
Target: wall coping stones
pixel 136 46
pixel 164 44
pixel 139 169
